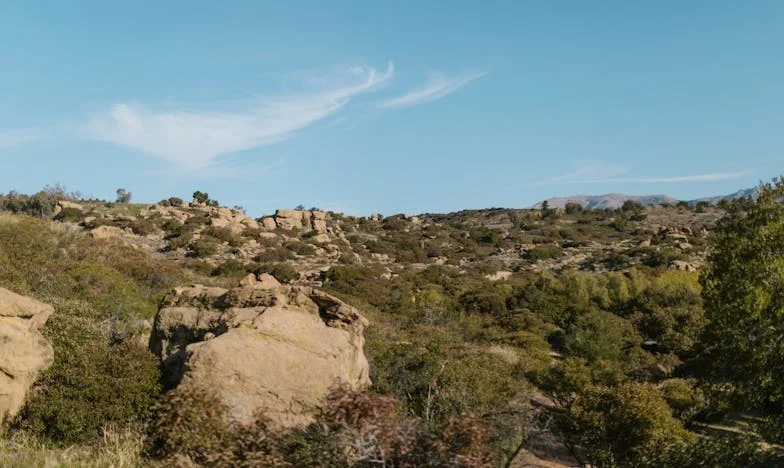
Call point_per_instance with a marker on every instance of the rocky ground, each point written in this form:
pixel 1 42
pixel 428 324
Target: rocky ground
pixel 498 240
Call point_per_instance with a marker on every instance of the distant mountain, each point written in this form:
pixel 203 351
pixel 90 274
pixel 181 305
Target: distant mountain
pixel 611 200
pixel 615 200
pixel 745 193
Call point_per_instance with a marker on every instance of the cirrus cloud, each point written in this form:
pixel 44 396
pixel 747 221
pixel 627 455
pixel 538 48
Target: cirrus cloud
pixel 10 138
pixel 436 87
pixel 193 140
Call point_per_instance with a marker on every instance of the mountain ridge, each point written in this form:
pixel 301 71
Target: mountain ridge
pixel 616 200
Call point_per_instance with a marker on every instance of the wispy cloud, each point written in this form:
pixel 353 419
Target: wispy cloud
pixel 10 138
pixel 192 140
pixel 598 172
pixel 436 87
pixel 707 177
pixel 585 170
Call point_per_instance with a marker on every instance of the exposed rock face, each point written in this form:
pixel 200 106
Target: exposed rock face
pixel 24 352
pixel 263 346
pixel 295 219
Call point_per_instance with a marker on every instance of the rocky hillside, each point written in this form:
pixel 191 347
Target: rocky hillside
pixel 191 334
pixel 305 244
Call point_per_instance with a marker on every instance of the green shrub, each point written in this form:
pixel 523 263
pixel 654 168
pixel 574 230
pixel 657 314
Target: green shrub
pixel 41 204
pixel 251 233
pixel 90 385
pixel 301 248
pixel 169 225
pixel 70 215
pixel 143 227
pixel 224 235
pixel 274 254
pixel 175 201
pixel 230 267
pixel 283 272
pixel 544 252
pixel 190 424
pixel 685 399
pixel 204 247
pixel 619 425
pixel 729 451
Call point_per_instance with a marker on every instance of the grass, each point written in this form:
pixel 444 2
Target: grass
pixel 115 449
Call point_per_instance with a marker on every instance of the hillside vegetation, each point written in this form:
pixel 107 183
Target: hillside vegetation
pixel 637 336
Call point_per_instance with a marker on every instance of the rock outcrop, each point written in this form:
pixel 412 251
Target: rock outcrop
pixel 24 352
pixel 262 346
pixel 313 220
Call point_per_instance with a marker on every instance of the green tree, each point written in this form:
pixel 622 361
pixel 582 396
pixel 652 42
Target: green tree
pixel 201 197
pixel 619 425
pixel 743 292
pixel 573 208
pixel 123 196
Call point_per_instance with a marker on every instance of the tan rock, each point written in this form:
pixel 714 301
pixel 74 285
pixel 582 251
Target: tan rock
pixel 106 232
pixel 248 280
pixel 24 352
pixel 288 223
pixel 499 276
pixel 290 214
pixel 262 346
pixel 319 226
pixel 269 223
pixel 266 281
pixel 682 266
pixel 250 223
pixel 321 239
pixel 67 204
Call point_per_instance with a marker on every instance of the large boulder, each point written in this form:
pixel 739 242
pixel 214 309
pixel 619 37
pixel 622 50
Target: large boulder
pixel 262 346
pixel 24 352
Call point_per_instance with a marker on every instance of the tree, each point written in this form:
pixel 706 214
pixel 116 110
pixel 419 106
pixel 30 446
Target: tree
pixel 201 197
pixel 123 196
pixel 631 206
pixel 547 212
pixel 743 291
pixel 619 425
pixel 573 208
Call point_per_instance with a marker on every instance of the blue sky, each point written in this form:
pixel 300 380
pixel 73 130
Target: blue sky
pixel 391 107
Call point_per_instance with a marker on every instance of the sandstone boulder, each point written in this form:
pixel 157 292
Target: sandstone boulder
pixel 24 352
pixel 262 346
pixel 315 220
pixel 268 223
